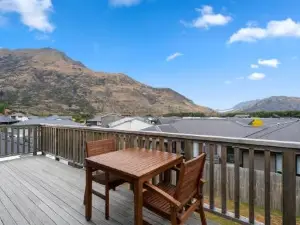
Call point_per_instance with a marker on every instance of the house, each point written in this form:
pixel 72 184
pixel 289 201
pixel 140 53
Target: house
pixel 280 129
pixel 19 116
pixel 130 123
pixel 103 120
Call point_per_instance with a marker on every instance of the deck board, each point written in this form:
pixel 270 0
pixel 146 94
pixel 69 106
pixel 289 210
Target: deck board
pixel 39 190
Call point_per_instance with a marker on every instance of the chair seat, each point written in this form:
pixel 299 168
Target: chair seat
pixel 156 203
pixel 114 181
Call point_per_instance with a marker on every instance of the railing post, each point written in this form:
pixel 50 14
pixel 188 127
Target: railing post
pixel 56 133
pixel 289 187
pixel 35 141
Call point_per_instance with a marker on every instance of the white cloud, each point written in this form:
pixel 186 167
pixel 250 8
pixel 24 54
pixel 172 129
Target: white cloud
pixel 33 13
pixel 208 18
pixel 228 82
pixel 3 20
pixel 274 28
pixel 269 62
pixel 118 3
pixel 173 56
pixel 256 76
pixel 254 66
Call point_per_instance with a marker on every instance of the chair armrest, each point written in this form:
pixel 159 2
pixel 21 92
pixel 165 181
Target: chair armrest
pixel 162 194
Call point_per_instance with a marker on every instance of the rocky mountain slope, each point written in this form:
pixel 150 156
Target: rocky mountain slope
pixel 48 81
pixel 274 103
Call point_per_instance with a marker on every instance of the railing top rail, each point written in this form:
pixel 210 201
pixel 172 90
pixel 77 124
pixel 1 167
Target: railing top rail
pixel 258 143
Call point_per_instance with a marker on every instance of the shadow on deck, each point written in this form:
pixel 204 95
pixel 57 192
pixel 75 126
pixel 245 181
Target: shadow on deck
pixel 39 190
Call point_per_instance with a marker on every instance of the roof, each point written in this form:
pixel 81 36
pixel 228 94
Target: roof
pixel 7 119
pixel 126 119
pixel 99 117
pixel 49 121
pixel 168 120
pixel 273 129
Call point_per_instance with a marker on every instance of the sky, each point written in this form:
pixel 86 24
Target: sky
pixel 217 53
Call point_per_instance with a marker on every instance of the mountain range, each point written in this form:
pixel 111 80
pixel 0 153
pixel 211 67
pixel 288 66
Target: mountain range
pixel 48 81
pixel 274 103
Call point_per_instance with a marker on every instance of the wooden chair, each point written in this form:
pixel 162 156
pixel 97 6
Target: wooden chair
pixel 176 203
pixel 99 147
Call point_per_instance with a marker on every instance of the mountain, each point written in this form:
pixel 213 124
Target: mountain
pixel 274 103
pixel 245 105
pixel 48 81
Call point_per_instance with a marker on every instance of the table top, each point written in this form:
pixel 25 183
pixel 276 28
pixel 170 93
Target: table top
pixel 135 162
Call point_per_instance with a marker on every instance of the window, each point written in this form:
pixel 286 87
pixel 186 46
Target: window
pixel 298 165
pixel 278 163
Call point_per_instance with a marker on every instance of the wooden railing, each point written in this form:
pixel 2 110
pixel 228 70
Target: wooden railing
pixel 17 140
pixel 68 143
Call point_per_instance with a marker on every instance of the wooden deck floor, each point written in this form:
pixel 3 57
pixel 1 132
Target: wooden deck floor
pixel 39 190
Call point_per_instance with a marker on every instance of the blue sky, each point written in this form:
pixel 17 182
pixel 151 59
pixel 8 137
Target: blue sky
pixel 216 53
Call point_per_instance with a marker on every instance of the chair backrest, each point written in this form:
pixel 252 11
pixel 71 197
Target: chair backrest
pixel 191 173
pixel 100 147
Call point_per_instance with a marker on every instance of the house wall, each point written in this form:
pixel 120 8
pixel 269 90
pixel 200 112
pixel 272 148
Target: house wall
pixel 259 161
pixel 132 125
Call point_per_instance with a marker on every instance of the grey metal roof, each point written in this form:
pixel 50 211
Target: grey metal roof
pixel 162 128
pixel 99 117
pixel 168 120
pixel 282 132
pixel 7 119
pixel 49 121
pixel 219 127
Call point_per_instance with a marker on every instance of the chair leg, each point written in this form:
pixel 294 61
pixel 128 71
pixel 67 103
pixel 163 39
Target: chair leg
pixel 106 196
pixel 84 197
pixel 202 214
pixel 173 216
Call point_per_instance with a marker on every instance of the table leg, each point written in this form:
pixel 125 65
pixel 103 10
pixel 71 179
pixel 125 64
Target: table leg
pixel 88 205
pixel 138 203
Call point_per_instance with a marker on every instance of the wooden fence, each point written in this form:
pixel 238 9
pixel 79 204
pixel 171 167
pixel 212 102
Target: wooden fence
pixel 259 187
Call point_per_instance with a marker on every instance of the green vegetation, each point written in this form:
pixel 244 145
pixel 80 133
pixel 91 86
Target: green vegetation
pixel 81 118
pixel 186 114
pixel 3 106
pixel 264 114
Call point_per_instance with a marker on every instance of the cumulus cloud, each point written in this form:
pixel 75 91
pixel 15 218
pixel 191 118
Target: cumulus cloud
pixel 256 76
pixel 274 28
pixel 173 56
pixel 208 18
pixel 254 66
pixel 33 13
pixel 269 62
pixel 118 3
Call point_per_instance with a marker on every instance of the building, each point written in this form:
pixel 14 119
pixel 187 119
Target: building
pixel 103 120
pixel 279 129
pixel 19 116
pixel 130 123
pixel 6 120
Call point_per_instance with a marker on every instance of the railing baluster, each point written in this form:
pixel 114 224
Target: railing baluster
pixel 211 176
pixel 224 178
pixel 237 182
pixel 147 143
pixel 188 150
pixel 12 141
pixel 267 189
pixel 74 146
pixel 167 175
pixel 5 141
pixel 24 142
pixel 29 139
pixel 161 148
pixel 35 141
pixel 289 187
pixel 251 186
pixel 1 136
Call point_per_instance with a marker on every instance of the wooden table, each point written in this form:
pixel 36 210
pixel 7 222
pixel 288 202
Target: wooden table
pixel 134 165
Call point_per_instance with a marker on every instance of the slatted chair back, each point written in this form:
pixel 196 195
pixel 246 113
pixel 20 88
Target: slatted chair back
pixel 191 173
pixel 99 147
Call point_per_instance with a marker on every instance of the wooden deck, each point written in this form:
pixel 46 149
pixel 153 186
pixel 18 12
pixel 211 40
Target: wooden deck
pixel 39 190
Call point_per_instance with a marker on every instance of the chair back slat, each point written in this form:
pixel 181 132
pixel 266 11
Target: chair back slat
pixel 191 173
pixel 100 147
